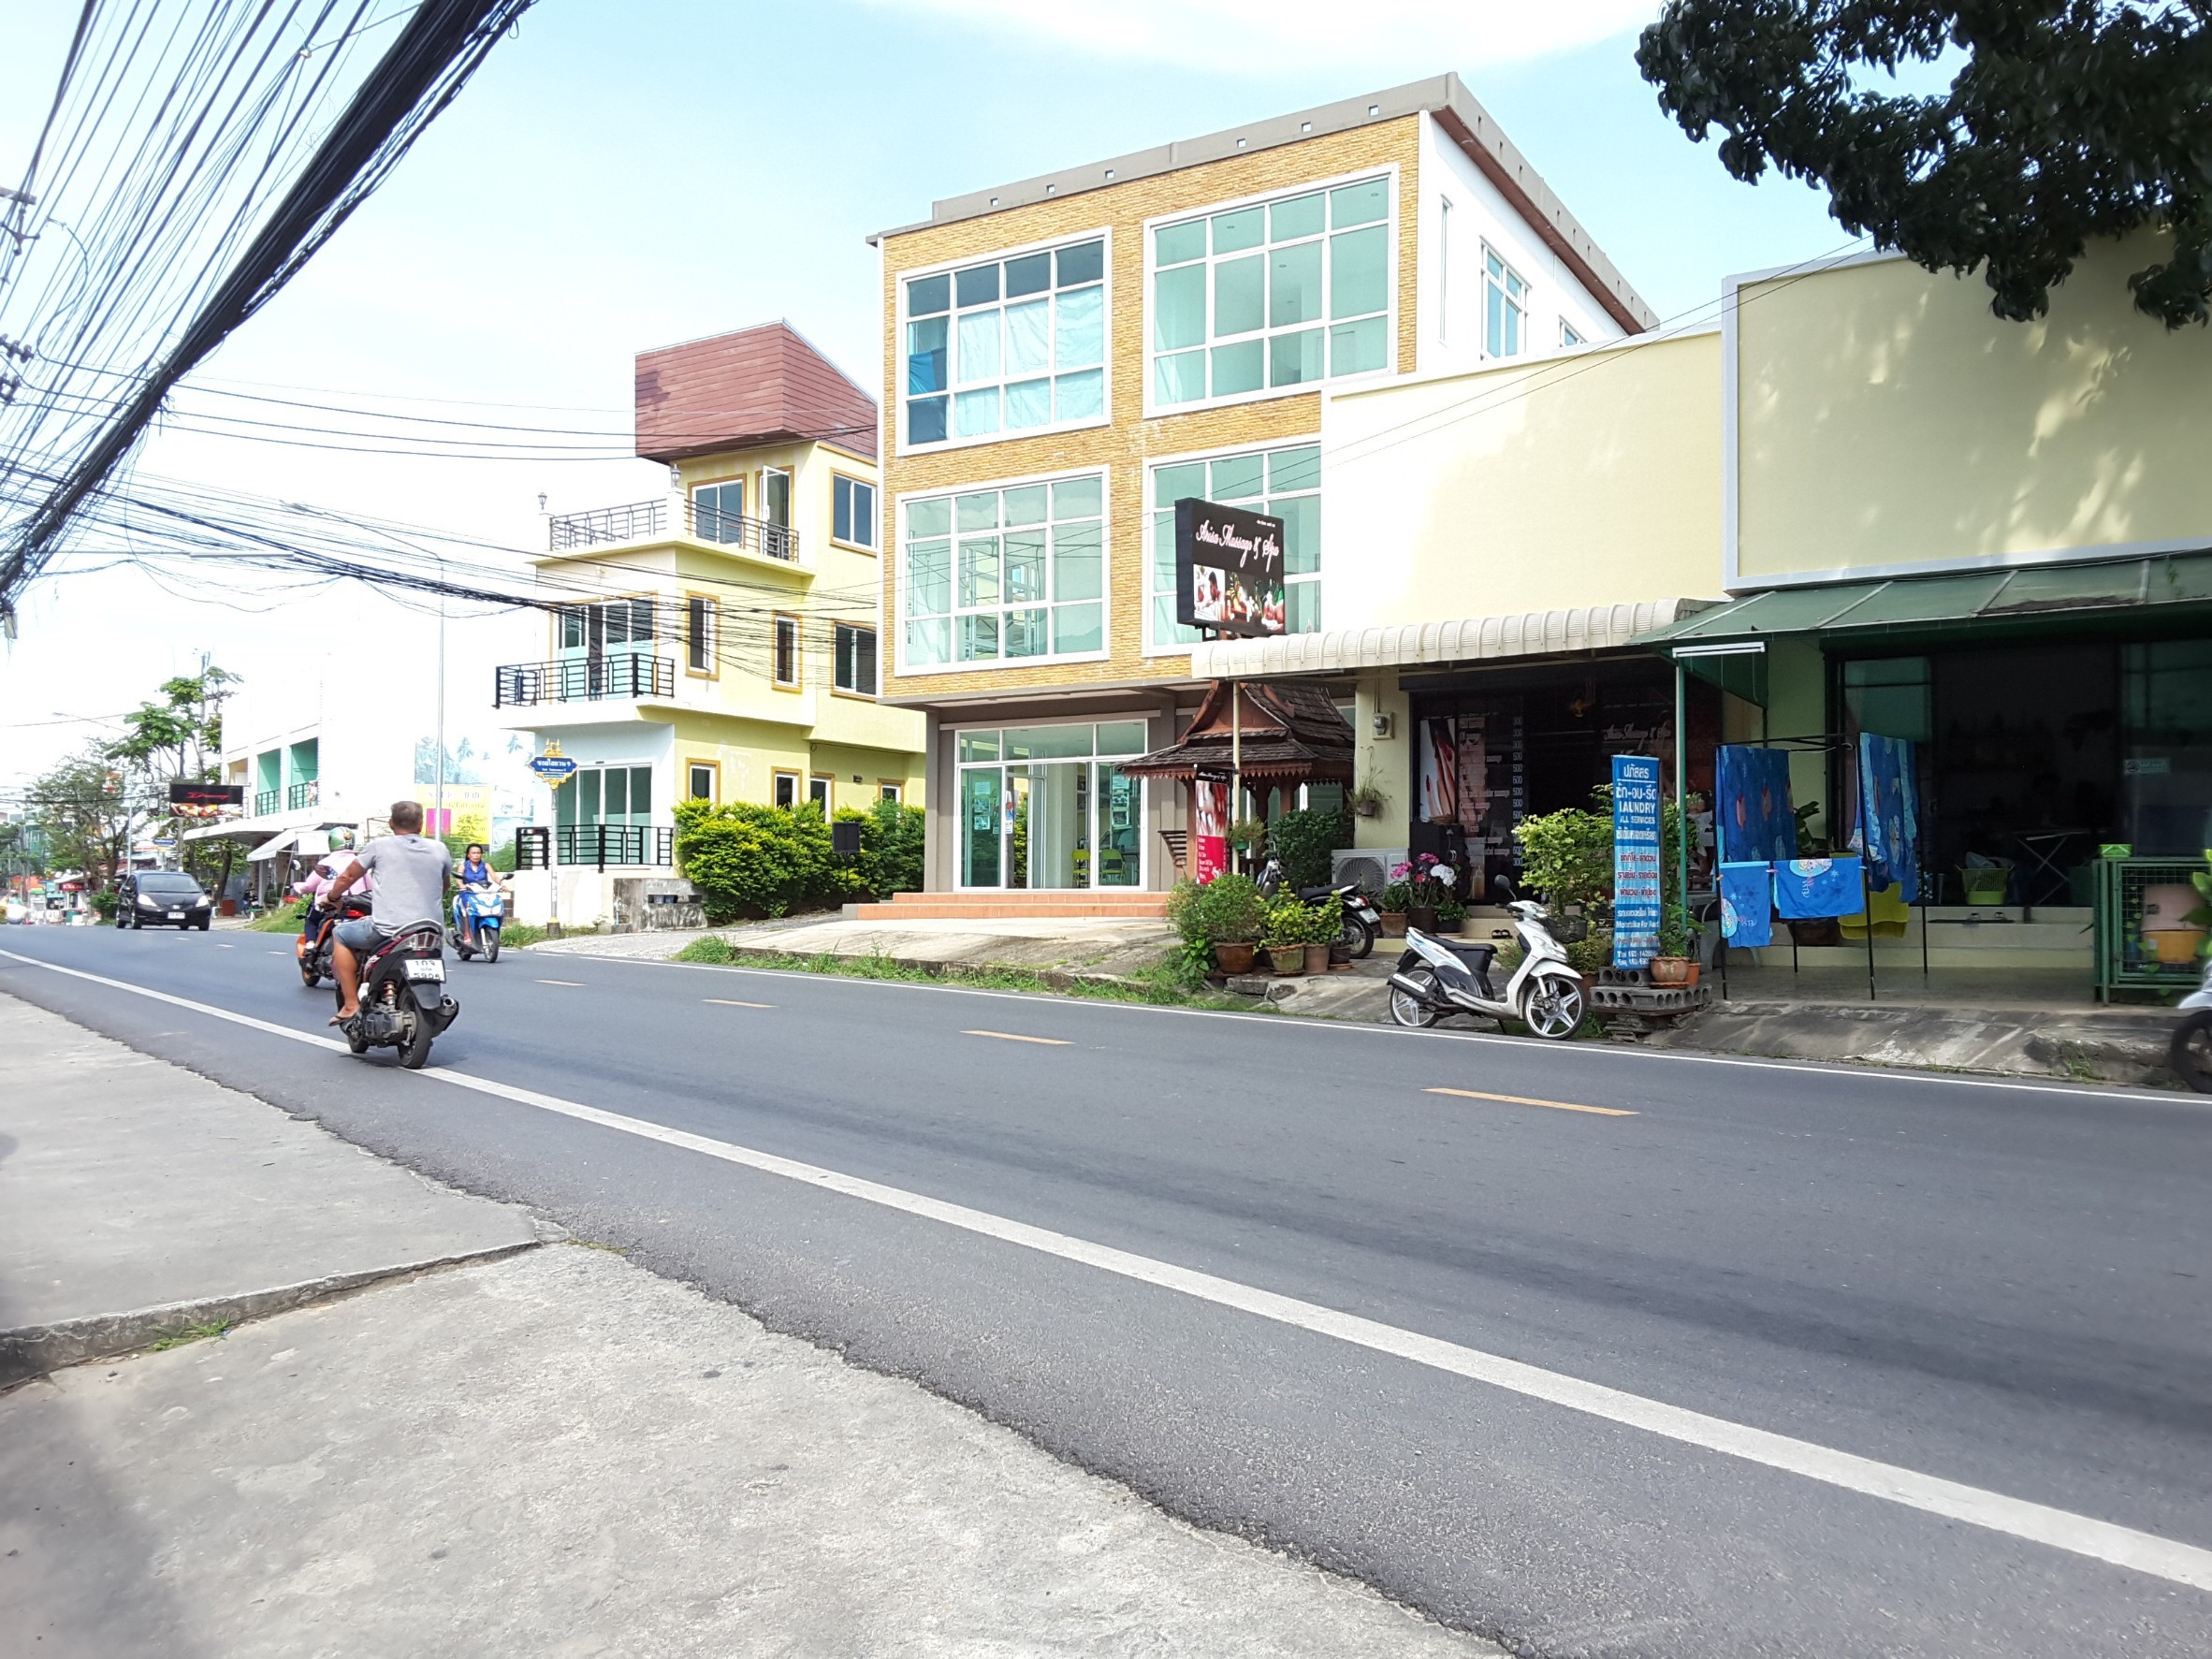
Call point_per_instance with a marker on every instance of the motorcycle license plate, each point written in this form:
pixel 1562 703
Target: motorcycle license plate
pixel 176 915
pixel 424 968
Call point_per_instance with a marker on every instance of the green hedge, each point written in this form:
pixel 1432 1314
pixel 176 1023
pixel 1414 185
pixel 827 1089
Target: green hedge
pixel 1304 841
pixel 752 861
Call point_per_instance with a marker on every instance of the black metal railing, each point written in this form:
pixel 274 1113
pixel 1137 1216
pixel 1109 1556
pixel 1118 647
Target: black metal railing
pixel 734 530
pixel 632 522
pixel 583 680
pixel 595 844
pixel 308 794
pixel 265 801
pixel 637 521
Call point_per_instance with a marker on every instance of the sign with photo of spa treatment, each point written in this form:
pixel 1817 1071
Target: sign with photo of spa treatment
pixel 1229 570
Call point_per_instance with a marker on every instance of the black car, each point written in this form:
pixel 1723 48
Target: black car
pixel 162 899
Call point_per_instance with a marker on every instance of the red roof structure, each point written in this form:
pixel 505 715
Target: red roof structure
pixel 757 385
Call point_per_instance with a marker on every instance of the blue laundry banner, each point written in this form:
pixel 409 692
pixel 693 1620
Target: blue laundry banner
pixel 1886 772
pixel 1808 888
pixel 1635 860
pixel 1747 904
pixel 1753 814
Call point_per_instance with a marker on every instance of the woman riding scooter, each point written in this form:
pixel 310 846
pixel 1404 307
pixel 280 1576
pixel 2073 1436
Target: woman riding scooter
pixel 475 876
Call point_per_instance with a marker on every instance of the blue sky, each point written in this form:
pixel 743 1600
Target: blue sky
pixel 622 176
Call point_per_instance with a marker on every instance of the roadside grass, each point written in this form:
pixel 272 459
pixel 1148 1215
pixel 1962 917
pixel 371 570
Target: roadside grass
pixel 204 1331
pixel 284 919
pixel 1160 986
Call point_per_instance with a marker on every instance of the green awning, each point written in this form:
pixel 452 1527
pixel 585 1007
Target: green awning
pixel 2132 595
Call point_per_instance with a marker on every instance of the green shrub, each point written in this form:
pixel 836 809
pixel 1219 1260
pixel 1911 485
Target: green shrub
pixel 1568 855
pixel 893 836
pixel 1396 898
pixel 748 860
pixel 1293 921
pixel 1228 910
pixel 1304 841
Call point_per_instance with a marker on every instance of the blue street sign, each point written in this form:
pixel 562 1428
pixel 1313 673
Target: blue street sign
pixel 554 768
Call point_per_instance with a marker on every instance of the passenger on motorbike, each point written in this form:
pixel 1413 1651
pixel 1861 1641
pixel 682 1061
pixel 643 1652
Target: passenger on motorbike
pixel 411 874
pixel 476 874
pixel 315 888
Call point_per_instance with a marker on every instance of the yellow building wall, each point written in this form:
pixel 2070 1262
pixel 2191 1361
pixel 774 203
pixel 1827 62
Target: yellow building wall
pixel 1889 422
pixel 1130 441
pixel 1588 480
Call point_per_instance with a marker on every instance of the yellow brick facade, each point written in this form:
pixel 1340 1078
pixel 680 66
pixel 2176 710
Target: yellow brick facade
pixel 1124 445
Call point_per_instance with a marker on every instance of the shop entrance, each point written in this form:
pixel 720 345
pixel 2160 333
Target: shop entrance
pixel 1048 807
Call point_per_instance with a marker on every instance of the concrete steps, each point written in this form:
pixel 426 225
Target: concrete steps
pixel 1039 905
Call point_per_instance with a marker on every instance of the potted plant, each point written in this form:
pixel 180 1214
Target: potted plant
pixel 1324 924
pixel 1451 915
pixel 1285 934
pixel 1428 884
pixel 1393 903
pixel 1247 835
pixel 1366 801
pixel 1221 921
pixel 1672 965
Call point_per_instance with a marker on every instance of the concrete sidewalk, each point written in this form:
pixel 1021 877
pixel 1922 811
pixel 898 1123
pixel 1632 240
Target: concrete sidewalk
pixel 543 1452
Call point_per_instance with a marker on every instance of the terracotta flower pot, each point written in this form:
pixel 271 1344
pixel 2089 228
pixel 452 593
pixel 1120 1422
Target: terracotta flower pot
pixel 1393 923
pixel 1233 957
pixel 1316 958
pixel 1673 971
pixel 1422 917
pixel 1287 960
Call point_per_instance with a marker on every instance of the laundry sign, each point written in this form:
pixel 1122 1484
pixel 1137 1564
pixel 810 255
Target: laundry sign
pixel 1635 860
pixel 1229 570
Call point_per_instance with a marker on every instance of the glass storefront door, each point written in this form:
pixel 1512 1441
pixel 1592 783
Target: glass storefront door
pixel 1040 808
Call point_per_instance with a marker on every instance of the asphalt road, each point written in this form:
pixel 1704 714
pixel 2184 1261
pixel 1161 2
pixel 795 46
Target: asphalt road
pixel 2004 1286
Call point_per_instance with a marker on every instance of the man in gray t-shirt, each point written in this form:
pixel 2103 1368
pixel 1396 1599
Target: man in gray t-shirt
pixel 412 875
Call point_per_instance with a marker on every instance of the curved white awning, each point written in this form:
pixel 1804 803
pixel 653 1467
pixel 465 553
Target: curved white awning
pixel 1473 640
pixel 274 845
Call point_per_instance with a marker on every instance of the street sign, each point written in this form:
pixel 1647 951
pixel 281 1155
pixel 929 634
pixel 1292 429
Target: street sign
pixel 164 840
pixel 554 768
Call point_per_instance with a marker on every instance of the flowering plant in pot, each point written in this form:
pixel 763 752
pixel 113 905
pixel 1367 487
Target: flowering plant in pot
pixel 1429 881
pixel 1393 903
pixel 1451 915
pixel 1288 921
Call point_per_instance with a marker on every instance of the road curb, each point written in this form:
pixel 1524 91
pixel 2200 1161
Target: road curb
pixel 34 1350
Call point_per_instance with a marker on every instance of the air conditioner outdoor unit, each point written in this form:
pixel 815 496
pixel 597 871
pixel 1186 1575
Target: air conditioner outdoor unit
pixel 1369 868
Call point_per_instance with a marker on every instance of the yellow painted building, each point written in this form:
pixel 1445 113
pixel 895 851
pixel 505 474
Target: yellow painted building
pixel 719 642
pixel 1069 355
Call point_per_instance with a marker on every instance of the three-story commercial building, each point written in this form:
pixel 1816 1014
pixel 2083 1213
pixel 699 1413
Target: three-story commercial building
pixel 719 642
pixel 1068 356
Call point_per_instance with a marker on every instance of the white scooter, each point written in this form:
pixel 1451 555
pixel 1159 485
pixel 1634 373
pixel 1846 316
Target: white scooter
pixel 2190 1052
pixel 1435 977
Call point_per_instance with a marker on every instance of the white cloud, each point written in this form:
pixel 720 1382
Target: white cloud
pixel 1244 38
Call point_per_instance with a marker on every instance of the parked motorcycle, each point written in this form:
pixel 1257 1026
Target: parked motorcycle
pixel 477 911
pixel 1437 976
pixel 403 1001
pixel 2190 1052
pixel 1362 920
pixel 315 955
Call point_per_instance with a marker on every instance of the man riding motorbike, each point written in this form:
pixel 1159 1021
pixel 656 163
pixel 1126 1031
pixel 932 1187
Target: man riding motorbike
pixel 412 873
pixel 476 873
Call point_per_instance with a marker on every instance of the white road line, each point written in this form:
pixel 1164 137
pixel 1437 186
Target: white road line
pixel 2104 1094
pixel 2059 1529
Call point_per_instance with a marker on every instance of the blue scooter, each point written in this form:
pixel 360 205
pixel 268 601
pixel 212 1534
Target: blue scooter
pixel 477 911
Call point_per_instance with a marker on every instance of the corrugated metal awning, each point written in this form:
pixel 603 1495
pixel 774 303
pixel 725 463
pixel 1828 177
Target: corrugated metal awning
pixel 1474 639
pixel 1977 599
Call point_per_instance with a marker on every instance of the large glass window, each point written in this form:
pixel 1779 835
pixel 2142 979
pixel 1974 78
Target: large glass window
pixel 1049 806
pixel 1279 294
pixel 1505 307
pixel 1009 346
pixel 605 795
pixel 718 511
pixel 1285 483
pixel 607 622
pixel 1006 574
pixel 856 660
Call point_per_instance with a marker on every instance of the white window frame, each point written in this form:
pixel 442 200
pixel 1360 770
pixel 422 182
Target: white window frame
pixel 1570 336
pixel 836 630
pixel 1105 417
pixel 895 627
pixel 1144 799
pixel 1525 305
pixel 776 781
pixel 1390 222
pixel 1152 509
pixel 851 483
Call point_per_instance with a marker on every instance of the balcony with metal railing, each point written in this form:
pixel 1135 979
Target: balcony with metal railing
pixel 598 845
pixel 617 675
pixel 305 794
pixel 641 521
pixel 265 801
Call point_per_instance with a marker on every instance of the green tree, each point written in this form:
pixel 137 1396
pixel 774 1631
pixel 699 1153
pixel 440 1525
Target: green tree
pixel 2067 120
pixel 177 739
pixel 83 810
